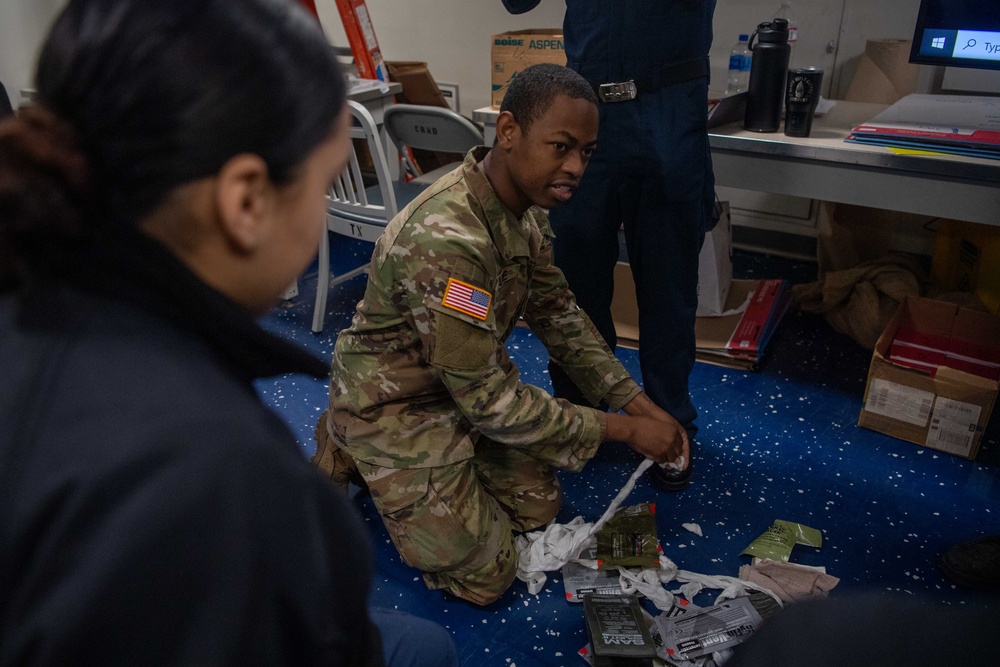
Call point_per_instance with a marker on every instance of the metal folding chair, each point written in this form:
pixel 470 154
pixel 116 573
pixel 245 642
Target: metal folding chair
pixel 352 209
pixel 432 129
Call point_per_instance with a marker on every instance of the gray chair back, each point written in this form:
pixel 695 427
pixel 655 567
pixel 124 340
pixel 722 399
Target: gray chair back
pixel 431 128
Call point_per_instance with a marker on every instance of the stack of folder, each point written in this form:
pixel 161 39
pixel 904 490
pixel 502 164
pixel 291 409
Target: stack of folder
pixel 735 340
pixel 954 124
pixel 740 339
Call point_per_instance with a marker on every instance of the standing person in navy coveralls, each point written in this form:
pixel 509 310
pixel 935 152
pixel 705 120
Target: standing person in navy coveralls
pixel 652 173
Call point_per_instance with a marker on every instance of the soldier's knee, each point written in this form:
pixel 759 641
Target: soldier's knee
pixel 443 522
pixel 480 584
pixel 537 506
pixel 333 461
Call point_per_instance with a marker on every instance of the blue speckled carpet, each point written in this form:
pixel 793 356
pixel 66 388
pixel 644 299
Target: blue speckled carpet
pixel 782 443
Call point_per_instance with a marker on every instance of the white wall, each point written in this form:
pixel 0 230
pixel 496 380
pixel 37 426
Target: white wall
pixel 23 25
pixel 894 19
pixel 453 36
pixel 818 22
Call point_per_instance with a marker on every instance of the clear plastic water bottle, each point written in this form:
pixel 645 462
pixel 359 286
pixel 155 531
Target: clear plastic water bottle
pixel 785 12
pixel 740 59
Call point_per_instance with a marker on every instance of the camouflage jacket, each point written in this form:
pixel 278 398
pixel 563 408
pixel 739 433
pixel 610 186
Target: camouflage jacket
pixel 422 371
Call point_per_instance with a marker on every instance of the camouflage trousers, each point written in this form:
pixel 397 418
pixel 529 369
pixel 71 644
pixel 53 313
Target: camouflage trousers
pixel 456 522
pixel 334 462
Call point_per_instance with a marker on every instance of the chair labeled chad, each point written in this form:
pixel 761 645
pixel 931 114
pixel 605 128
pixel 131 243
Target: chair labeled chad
pixel 430 128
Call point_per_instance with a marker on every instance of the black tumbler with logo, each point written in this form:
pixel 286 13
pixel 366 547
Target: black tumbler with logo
pixel 766 90
pixel 801 98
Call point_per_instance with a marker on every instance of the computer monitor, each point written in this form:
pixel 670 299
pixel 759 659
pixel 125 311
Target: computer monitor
pixel 958 33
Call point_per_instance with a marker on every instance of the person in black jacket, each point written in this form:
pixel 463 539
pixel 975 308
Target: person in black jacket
pixel 651 175
pixel 165 189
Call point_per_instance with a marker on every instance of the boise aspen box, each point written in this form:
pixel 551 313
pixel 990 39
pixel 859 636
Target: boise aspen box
pixel 512 52
pixel 933 376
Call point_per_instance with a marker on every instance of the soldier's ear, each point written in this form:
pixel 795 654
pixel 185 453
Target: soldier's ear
pixel 507 130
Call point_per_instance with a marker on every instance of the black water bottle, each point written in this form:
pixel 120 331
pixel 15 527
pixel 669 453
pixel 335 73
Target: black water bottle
pixel 767 76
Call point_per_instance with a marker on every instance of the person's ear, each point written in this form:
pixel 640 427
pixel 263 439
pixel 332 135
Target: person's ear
pixel 507 130
pixel 243 196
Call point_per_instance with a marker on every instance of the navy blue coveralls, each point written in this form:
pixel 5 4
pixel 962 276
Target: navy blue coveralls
pixel 651 172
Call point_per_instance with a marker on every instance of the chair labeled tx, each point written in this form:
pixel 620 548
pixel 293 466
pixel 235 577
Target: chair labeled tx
pixel 352 208
pixel 362 212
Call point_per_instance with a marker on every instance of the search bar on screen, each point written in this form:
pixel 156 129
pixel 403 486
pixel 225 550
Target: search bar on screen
pixel 977 45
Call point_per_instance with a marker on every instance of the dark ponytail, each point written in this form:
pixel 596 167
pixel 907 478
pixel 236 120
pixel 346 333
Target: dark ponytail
pixel 44 187
pixel 138 97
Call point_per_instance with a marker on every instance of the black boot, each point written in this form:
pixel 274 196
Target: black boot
pixel 974 564
pixel 668 479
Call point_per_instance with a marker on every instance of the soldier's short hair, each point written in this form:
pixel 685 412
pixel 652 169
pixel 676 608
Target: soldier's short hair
pixel 531 92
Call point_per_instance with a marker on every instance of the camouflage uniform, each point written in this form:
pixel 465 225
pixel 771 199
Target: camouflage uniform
pixel 455 450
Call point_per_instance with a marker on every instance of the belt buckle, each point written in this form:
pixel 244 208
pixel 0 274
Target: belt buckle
pixel 617 92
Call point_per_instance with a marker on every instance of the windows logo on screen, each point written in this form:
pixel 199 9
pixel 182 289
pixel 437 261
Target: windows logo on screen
pixel 937 43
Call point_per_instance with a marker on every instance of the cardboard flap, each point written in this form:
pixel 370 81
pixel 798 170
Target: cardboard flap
pixel 954 376
pixel 928 316
pixel 884 341
pixel 977 326
pixel 419 86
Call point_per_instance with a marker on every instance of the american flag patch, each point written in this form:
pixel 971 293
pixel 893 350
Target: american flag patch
pixel 467 299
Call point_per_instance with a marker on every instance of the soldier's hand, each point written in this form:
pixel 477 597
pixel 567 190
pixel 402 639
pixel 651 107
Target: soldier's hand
pixel 662 441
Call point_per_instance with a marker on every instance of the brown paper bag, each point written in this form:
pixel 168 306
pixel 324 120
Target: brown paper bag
pixel 884 74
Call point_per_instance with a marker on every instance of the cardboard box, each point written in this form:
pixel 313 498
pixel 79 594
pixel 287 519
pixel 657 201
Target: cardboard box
pixel 967 258
pixel 419 87
pixel 944 407
pixel 515 51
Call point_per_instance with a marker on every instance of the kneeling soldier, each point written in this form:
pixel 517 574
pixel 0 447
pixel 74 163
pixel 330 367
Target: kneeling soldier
pixel 424 399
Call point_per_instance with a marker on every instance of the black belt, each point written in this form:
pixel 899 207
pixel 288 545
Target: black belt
pixel 622 91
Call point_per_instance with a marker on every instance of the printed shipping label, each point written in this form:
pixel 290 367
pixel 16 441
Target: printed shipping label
pixel 953 426
pixel 897 401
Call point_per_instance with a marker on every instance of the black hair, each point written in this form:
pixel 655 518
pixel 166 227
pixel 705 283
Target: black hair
pixel 531 92
pixel 138 97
